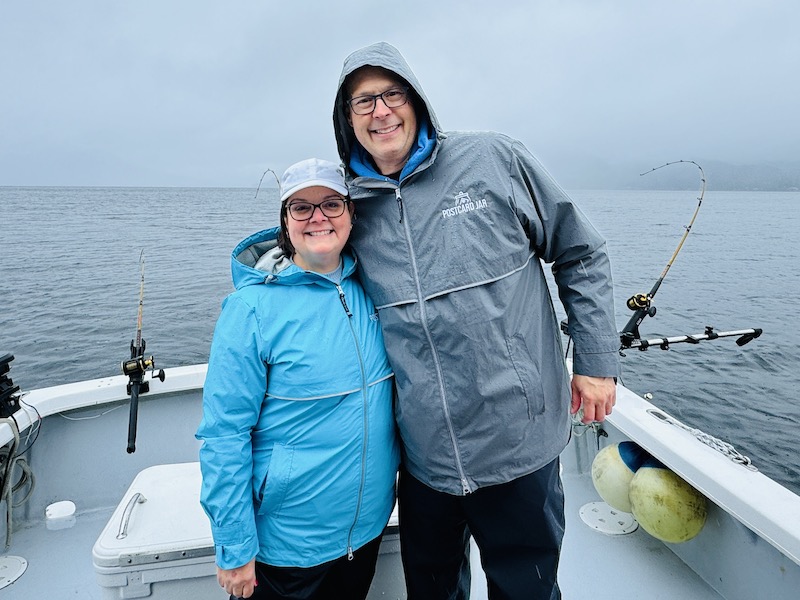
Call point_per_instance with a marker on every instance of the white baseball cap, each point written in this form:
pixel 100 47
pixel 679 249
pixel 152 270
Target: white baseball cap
pixel 310 172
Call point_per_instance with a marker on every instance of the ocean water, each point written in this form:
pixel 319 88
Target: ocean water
pixel 69 292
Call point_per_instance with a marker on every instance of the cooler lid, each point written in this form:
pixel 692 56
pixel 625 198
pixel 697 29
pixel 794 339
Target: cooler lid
pixel 159 519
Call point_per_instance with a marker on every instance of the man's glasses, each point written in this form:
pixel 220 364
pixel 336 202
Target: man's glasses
pixel 364 105
pixel 303 211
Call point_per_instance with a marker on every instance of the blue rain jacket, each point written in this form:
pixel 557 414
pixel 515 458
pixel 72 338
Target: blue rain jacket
pixel 299 454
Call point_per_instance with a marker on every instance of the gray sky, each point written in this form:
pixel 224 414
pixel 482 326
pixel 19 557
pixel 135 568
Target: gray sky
pixel 202 93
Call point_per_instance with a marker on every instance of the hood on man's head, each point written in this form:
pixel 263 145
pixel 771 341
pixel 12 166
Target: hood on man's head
pixel 312 172
pixel 385 56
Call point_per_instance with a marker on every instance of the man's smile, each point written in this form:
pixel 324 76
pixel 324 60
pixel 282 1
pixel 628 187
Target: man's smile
pixel 386 130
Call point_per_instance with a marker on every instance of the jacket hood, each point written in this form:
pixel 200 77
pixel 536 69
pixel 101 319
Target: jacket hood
pixel 388 57
pixel 258 259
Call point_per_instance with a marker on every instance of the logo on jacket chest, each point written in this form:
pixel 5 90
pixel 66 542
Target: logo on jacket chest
pixel 463 204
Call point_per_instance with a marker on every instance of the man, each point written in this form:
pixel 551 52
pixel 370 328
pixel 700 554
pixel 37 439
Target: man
pixel 451 232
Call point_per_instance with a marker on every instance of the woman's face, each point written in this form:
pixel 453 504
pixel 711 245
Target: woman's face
pixel 318 241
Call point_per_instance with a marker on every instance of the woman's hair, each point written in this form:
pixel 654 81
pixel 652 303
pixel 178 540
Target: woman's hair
pixel 284 243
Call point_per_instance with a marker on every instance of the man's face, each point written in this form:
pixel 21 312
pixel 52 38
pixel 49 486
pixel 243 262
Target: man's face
pixel 388 134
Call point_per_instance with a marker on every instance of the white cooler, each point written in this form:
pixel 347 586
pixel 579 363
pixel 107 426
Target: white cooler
pixel 158 542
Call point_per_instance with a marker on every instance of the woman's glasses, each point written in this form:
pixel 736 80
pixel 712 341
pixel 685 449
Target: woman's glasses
pixel 302 211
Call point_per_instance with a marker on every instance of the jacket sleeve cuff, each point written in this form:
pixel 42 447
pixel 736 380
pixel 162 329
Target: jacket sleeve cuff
pixel 599 364
pixel 232 548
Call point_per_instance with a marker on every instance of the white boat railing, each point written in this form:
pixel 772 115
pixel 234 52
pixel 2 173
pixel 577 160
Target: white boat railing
pixel 95 392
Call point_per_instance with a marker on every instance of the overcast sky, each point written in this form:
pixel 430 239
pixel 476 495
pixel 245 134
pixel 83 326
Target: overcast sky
pixel 203 93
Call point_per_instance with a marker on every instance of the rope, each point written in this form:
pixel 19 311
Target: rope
pixel 717 444
pixel 11 461
pixel 8 458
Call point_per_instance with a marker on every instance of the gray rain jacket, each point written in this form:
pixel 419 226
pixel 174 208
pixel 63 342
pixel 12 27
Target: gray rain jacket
pixel 451 256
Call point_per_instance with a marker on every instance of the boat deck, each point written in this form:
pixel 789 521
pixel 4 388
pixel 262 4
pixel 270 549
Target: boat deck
pixel 594 566
pixel 597 566
pixel 59 562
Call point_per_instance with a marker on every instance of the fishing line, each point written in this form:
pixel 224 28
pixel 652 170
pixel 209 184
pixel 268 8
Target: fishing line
pixel 92 417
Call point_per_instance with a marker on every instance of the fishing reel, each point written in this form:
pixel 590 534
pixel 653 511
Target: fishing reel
pixel 642 306
pixel 137 366
pixel 641 302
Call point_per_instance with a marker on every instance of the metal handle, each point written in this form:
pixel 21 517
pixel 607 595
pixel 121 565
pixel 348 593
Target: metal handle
pixel 126 515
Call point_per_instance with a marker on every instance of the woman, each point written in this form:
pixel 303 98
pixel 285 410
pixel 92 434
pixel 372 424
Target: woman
pixel 299 456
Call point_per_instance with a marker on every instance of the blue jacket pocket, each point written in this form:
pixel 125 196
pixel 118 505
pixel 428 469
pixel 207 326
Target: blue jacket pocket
pixel 279 475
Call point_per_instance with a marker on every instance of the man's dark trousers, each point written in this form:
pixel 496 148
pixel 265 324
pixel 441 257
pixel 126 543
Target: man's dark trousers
pixel 518 527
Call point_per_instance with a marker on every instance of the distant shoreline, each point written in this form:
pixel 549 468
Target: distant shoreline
pixel 720 176
pixel 582 173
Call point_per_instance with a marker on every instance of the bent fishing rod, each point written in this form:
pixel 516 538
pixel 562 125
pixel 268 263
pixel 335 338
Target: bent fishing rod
pixel 274 174
pixel 137 366
pixel 642 304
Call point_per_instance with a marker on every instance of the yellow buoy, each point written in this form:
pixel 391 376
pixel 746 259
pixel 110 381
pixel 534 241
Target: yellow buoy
pixel 665 505
pixel 612 471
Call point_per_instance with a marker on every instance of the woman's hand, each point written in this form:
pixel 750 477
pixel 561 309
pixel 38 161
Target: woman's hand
pixel 241 581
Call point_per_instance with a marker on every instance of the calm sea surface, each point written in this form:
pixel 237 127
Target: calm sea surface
pixel 70 290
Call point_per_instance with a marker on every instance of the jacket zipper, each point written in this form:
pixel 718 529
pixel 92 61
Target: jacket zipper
pixel 343 300
pixel 399 202
pixel 365 421
pixel 465 487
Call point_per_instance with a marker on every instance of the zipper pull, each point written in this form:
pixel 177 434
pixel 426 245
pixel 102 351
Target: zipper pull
pixel 343 300
pixel 349 553
pixel 399 203
pixel 465 487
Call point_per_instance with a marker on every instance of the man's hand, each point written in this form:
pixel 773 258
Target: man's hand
pixel 597 396
pixel 240 581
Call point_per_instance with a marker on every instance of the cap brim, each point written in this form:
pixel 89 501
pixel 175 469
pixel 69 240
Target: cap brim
pixel 339 189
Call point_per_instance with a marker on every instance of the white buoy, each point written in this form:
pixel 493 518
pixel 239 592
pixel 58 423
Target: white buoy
pixel 60 515
pixel 612 471
pixel 665 505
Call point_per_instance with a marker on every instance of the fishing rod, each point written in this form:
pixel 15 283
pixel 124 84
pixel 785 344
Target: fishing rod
pixel 274 174
pixel 642 304
pixel 137 366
